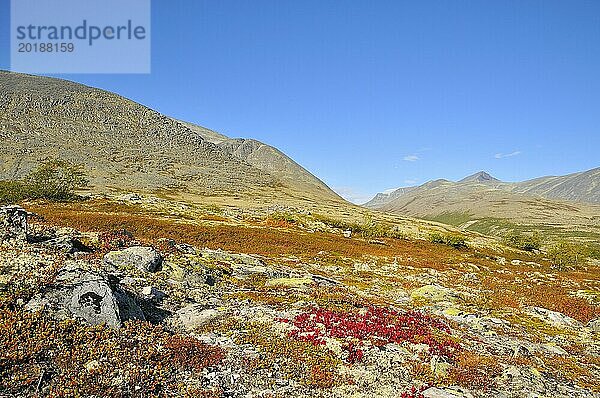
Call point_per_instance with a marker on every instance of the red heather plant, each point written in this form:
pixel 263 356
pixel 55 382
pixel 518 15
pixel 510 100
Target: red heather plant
pixel 377 325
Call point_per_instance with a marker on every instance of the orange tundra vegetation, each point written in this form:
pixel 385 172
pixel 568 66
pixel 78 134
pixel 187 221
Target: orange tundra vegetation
pixel 72 359
pixel 251 240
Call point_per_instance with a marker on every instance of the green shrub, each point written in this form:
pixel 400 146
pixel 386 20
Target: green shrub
pixel 368 229
pixel 527 242
pixel 54 180
pixel 335 223
pixel 455 240
pixel 12 192
pixel 564 255
pixel 283 216
pixel 594 251
pixel 371 229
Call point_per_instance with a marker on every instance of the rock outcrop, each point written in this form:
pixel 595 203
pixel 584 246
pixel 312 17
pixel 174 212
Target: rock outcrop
pixel 145 259
pixel 13 220
pixel 86 295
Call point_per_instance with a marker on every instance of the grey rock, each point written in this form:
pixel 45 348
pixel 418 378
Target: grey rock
pixel 521 351
pixel 554 349
pixel 66 244
pixel 185 248
pixel 131 197
pixel 193 316
pixel 146 259
pixel 86 295
pixel 554 318
pixel 13 221
pixel 79 294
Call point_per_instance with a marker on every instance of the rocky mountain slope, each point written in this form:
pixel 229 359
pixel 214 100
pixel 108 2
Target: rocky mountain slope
pixel 126 146
pixel 580 187
pixel 266 158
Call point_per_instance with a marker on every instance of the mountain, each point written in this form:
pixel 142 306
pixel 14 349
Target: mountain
pixel 480 177
pixel 385 197
pixel 126 146
pixel 483 203
pixel 577 187
pixel 264 157
pixel 580 187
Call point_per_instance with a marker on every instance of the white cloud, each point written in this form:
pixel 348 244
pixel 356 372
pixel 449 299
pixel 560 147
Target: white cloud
pixel 506 155
pixel 410 182
pixel 411 158
pixel 351 195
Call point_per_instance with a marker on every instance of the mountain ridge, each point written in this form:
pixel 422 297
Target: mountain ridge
pixel 581 186
pixel 124 145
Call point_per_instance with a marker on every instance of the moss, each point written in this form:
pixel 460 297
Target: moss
pixel 433 293
pixel 535 327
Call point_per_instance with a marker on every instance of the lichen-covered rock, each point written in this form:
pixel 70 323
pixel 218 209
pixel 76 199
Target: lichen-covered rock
pixel 66 244
pixel 434 293
pixel 145 259
pixel 554 318
pixel 13 221
pixel 85 295
pixel 193 316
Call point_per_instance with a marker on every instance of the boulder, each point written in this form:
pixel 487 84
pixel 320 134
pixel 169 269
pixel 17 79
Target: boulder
pixel 193 316
pixel 13 220
pixel 554 318
pixel 145 259
pixel 85 295
pixel 66 244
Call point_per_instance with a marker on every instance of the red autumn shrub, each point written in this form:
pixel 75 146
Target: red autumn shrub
pixel 377 325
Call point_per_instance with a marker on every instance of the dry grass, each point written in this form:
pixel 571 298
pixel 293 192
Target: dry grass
pixel 255 240
pixel 475 371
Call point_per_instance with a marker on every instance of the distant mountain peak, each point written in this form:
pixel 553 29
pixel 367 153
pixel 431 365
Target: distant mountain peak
pixel 480 177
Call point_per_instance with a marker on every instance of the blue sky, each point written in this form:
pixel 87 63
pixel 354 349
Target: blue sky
pixel 372 95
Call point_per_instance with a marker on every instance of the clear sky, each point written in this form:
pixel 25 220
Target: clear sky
pixel 371 95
